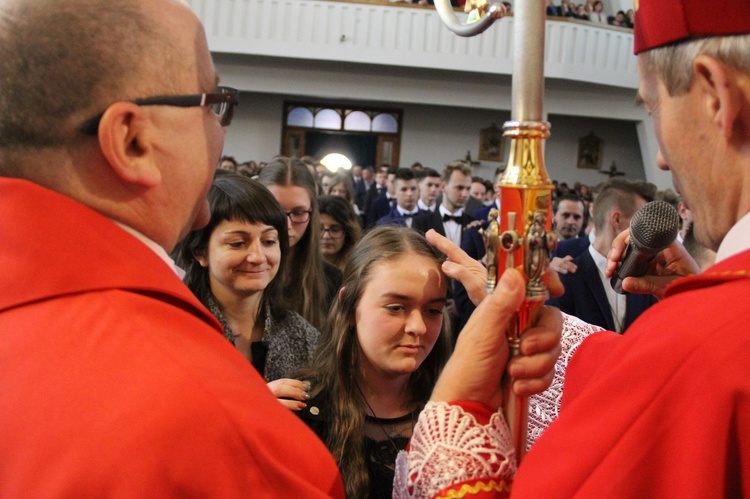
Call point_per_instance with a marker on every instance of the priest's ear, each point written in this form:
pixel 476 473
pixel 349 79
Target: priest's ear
pixel 125 138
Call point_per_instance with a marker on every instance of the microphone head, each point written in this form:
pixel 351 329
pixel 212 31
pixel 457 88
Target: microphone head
pixel 654 226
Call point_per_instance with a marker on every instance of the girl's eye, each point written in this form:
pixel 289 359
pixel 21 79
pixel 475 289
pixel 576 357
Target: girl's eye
pixel 270 242
pixel 236 244
pixel 395 308
pixel 436 311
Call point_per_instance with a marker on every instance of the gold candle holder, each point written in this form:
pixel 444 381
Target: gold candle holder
pixel 526 237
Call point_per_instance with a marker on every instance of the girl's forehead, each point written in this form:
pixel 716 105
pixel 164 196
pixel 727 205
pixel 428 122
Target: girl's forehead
pixel 406 271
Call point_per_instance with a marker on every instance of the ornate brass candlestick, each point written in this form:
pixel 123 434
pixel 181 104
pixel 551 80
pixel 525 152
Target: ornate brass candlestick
pixel 525 222
pixel 522 228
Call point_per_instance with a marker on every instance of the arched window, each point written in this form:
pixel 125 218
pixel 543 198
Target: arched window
pixel 385 122
pixel 327 119
pixel 369 135
pixel 358 121
pixel 300 116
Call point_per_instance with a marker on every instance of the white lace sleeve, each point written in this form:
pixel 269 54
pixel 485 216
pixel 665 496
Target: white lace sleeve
pixel 545 407
pixel 448 447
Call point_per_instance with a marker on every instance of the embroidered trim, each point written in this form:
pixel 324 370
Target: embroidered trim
pixel 727 273
pixel 475 488
pixel 449 447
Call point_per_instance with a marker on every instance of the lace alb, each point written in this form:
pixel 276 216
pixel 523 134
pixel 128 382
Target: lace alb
pixel 448 447
pixel 545 407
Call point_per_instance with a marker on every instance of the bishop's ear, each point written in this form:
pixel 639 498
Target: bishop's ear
pixel 720 94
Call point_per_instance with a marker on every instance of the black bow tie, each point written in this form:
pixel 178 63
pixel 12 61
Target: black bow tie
pixel 410 215
pixel 456 219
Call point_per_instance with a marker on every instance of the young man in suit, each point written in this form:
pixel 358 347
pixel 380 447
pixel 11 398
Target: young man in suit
pixel 429 189
pixel 381 197
pixel 588 293
pixel 449 218
pixel 405 193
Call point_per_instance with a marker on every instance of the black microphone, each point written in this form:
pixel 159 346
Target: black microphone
pixel 652 228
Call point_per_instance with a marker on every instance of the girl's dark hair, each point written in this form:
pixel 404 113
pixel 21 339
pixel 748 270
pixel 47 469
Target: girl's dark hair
pixel 336 363
pixel 305 290
pixel 342 212
pixel 235 197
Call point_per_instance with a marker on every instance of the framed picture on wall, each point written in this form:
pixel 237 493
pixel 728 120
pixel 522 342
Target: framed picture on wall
pixel 491 144
pixel 589 152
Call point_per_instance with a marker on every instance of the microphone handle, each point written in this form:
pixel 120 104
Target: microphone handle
pixel 635 263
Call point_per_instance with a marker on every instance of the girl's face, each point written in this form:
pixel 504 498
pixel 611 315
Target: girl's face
pixel 399 315
pixel 242 258
pixel 294 200
pixel 331 235
pixel 339 190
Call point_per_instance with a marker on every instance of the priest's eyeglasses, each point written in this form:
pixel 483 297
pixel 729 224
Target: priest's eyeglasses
pixel 222 102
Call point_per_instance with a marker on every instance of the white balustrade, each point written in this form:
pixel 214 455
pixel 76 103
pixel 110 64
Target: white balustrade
pixel 408 36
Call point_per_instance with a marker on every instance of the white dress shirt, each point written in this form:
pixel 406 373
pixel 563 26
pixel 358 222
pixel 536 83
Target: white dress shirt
pixel 736 241
pixel 452 228
pixel 423 206
pixel 151 244
pixel 617 302
pixel 409 214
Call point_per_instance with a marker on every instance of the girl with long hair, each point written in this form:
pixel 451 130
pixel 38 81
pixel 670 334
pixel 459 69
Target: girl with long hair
pixel 310 283
pixel 380 355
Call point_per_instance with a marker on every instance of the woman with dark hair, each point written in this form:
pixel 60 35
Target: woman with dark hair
pixel 383 349
pixel 339 230
pixel 310 283
pixel 233 265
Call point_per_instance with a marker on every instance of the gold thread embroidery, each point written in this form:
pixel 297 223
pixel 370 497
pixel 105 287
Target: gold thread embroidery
pixel 726 273
pixel 475 488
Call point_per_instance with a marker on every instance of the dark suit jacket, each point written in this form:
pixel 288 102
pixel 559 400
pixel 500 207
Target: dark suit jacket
pixel 394 217
pixel 378 208
pixel 481 213
pixel 473 244
pixel 472 205
pixel 434 220
pixel 360 194
pixel 586 299
pixel 572 247
pixel 370 196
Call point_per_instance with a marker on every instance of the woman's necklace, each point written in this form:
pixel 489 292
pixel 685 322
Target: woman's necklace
pixel 391 423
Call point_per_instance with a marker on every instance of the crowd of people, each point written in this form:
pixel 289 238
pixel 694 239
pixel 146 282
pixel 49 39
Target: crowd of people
pixel 174 330
pixel 591 10
pixel 456 204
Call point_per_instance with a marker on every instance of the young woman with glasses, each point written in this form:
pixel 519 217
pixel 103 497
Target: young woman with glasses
pixel 339 230
pixel 310 283
pixel 234 266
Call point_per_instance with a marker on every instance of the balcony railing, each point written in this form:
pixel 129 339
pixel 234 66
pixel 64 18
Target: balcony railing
pixel 409 36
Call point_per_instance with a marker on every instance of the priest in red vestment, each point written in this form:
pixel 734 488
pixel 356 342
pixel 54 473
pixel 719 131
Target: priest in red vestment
pixel 114 380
